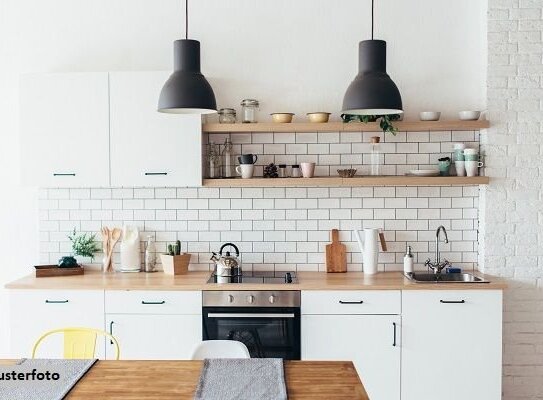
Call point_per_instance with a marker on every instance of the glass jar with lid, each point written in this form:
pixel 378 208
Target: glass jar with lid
pixel 249 111
pixel 227 116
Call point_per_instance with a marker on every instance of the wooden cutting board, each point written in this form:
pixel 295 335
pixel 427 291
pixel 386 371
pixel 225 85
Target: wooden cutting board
pixel 336 257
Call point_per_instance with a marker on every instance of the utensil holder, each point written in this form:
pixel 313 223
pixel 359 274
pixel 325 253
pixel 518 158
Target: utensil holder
pixel 175 265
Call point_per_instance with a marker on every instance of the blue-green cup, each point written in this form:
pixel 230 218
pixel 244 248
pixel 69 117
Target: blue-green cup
pixel 471 157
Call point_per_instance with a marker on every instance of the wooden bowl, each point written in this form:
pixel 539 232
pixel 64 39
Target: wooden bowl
pixel 318 117
pixel 282 118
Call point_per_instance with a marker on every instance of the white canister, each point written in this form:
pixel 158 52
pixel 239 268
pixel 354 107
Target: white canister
pixel 130 249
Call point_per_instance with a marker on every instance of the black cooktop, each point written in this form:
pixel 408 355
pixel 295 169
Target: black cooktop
pixel 274 277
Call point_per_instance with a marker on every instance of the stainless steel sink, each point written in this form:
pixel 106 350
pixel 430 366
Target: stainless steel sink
pixel 422 277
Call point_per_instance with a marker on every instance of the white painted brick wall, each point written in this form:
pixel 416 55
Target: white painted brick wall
pixel 511 207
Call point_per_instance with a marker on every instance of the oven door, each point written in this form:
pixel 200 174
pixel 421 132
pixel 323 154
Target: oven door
pixel 268 332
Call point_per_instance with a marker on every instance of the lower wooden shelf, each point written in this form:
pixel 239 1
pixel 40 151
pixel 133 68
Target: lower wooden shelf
pixel 350 182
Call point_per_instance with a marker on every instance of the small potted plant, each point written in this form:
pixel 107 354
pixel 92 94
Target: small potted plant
pixel 83 245
pixel 173 262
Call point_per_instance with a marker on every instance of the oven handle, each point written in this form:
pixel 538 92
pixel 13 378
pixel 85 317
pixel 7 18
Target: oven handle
pixel 249 315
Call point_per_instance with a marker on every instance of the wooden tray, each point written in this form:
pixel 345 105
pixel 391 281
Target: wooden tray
pixel 43 271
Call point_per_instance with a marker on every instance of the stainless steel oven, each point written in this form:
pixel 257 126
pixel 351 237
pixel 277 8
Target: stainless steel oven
pixel 268 322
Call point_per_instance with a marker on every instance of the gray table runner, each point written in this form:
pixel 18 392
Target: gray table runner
pixel 14 387
pixel 242 379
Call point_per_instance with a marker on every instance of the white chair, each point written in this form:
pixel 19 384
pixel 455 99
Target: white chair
pixel 220 349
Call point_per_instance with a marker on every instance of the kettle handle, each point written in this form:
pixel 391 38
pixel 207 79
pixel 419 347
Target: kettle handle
pixel 229 244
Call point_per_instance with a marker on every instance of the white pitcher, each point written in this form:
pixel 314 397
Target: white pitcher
pixel 370 249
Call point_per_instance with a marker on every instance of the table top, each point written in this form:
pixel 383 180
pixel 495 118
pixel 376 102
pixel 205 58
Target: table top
pixel 178 379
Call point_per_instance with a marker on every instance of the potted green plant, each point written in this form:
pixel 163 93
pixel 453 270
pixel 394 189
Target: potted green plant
pixel 385 121
pixel 83 245
pixel 173 262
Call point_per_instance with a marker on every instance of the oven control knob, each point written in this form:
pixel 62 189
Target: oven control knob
pixel 271 299
pixel 230 298
pixel 250 299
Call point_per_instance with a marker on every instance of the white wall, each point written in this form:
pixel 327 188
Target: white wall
pixel 292 55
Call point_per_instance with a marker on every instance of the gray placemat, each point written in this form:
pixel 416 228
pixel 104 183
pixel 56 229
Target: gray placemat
pixel 14 388
pixel 242 379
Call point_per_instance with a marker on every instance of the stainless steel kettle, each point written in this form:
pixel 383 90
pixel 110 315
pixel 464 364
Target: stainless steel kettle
pixel 227 265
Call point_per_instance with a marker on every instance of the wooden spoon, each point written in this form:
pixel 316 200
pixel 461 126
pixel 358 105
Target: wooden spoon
pixel 105 247
pixel 114 237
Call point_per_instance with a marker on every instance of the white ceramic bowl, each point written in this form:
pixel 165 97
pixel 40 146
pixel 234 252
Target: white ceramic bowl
pixel 282 118
pixel 429 115
pixel 469 115
pixel 318 117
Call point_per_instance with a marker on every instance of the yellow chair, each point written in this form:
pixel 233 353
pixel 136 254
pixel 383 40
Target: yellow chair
pixel 79 343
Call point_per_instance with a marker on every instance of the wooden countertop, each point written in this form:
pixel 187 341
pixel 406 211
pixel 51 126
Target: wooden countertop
pixel 178 379
pixel 197 281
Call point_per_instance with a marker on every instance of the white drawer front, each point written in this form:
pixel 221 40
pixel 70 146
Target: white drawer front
pixel 58 301
pixel 351 302
pixel 153 302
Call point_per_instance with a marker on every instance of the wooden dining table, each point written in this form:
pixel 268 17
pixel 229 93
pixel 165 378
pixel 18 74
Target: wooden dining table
pixel 131 380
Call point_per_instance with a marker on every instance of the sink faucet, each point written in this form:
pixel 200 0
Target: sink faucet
pixel 437 266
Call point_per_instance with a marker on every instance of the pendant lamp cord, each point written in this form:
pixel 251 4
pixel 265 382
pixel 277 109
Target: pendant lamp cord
pixel 371 19
pixel 187 19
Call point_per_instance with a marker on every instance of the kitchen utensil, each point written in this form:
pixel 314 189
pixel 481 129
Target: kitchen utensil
pixel 336 257
pixel 227 265
pixel 43 271
pixel 105 248
pixel 248 159
pixel 245 170
pixel 282 118
pixel 346 173
pixel 429 115
pixel 370 249
pixel 308 169
pixel 472 167
pixel 383 241
pixel 469 115
pixel 424 172
pixel 444 165
pixel 460 168
pixel 113 237
pixel 130 250
pixel 318 117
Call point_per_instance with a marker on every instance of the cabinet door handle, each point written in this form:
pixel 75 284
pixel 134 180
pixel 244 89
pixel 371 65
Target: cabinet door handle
pixel 351 302
pixel 452 301
pixel 155 173
pixel 153 302
pixel 394 329
pixel 111 331
pixel 56 301
pixel 63 174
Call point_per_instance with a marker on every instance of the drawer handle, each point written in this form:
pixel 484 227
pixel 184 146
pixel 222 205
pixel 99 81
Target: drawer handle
pixel 153 302
pixel 394 327
pixel 351 302
pixel 63 174
pixel 56 301
pixel 452 301
pixel 155 173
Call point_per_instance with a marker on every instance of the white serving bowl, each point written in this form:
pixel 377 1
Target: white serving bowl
pixel 469 115
pixel 429 115
pixel 282 118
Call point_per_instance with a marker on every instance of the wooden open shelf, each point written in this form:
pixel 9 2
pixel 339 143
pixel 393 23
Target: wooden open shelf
pixel 350 182
pixel 300 127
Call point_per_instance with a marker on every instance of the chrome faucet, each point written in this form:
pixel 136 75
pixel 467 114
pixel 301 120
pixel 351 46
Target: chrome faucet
pixel 437 266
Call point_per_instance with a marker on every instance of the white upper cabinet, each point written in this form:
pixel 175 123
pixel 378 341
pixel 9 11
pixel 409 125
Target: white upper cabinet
pixel 149 148
pixel 64 122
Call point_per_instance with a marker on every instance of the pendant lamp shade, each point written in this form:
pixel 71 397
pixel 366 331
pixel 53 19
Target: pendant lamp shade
pixel 372 92
pixel 187 91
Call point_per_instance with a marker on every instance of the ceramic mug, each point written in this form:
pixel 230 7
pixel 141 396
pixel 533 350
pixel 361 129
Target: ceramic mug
pixel 460 168
pixel 245 170
pixel 248 159
pixel 444 165
pixel 308 169
pixel 472 167
pixel 471 157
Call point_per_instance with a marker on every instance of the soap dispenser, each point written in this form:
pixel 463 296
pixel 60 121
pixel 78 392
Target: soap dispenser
pixel 408 265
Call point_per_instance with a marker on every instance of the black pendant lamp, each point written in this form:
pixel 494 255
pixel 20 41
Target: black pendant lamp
pixel 187 91
pixel 372 92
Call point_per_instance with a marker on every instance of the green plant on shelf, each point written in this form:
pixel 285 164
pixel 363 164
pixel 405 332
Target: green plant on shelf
pixel 385 121
pixel 84 244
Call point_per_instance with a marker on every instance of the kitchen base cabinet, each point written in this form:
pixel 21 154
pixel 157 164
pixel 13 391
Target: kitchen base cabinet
pixel 451 345
pixel 34 312
pixel 154 337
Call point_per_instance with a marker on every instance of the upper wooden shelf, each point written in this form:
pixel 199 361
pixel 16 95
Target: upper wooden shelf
pixel 403 126
pixel 350 182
